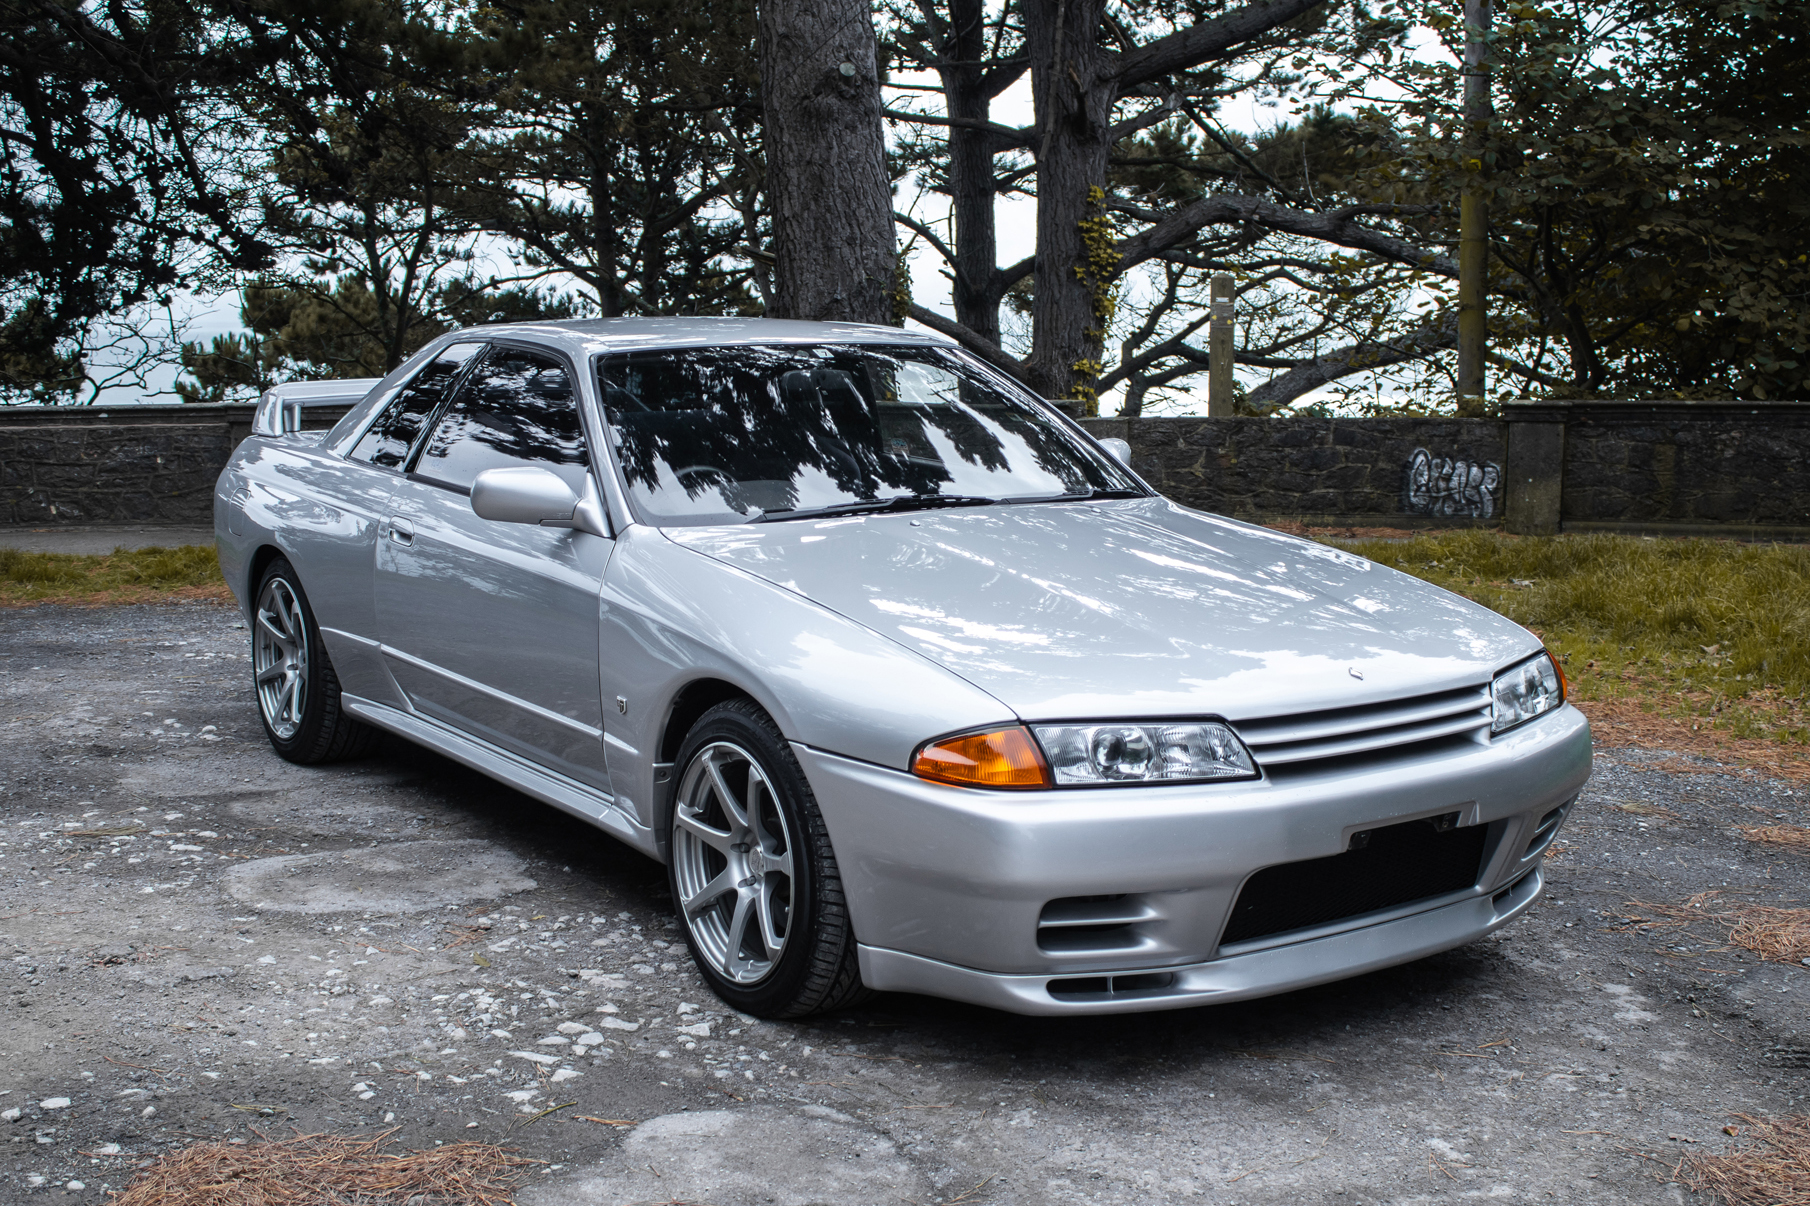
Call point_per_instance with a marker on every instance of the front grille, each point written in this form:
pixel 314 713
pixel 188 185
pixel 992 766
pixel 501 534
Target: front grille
pixel 1396 865
pixel 1341 732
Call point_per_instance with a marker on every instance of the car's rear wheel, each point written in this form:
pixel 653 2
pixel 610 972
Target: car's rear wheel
pixel 298 693
pixel 753 875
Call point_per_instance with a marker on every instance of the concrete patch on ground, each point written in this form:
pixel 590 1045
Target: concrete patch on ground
pixel 760 1156
pixel 320 813
pixel 403 877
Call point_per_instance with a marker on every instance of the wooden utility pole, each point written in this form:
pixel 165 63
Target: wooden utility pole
pixel 833 237
pixel 1473 213
pixel 1219 349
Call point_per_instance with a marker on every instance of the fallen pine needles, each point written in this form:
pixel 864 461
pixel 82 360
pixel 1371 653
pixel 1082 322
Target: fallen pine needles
pixel 1791 837
pixel 1775 935
pixel 327 1170
pixel 1771 1168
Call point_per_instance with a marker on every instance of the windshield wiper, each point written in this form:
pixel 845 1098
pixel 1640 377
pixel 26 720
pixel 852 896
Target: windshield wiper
pixel 876 506
pixel 1082 496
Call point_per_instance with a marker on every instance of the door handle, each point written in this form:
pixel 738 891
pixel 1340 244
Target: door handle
pixel 402 531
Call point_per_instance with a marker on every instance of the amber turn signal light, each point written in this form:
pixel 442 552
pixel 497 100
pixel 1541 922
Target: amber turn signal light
pixel 1564 683
pixel 1002 758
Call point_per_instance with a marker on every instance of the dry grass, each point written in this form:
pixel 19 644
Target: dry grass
pixel 1697 646
pixel 153 575
pixel 1351 532
pixel 1791 837
pixel 1769 1165
pixel 327 1170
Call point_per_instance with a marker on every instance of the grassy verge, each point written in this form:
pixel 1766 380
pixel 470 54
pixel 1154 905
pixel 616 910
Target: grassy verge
pixel 122 576
pixel 1694 645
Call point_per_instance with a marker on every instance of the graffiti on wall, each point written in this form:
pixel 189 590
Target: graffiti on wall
pixel 1438 485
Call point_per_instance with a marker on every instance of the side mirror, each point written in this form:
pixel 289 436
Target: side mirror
pixel 526 494
pixel 523 495
pixel 1120 450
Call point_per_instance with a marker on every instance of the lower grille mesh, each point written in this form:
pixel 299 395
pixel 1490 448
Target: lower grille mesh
pixel 1399 864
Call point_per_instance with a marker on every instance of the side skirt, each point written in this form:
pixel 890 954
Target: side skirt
pixel 568 795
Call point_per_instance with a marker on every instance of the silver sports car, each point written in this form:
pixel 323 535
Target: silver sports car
pixel 911 683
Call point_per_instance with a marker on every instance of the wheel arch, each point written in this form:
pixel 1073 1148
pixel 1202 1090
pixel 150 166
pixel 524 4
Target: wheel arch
pixel 691 702
pixel 259 561
pixel 688 705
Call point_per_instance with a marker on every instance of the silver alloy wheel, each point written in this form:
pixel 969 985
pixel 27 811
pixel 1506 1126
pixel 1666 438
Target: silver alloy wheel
pixel 732 863
pixel 280 658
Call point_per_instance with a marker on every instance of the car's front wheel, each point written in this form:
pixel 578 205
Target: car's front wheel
pixel 753 876
pixel 298 693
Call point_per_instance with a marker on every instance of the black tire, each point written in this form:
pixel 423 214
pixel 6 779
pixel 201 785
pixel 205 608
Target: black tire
pixel 322 732
pixel 817 968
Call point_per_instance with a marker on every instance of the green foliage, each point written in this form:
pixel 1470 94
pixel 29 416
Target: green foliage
pixel 230 368
pixel 118 185
pixel 1649 183
pixel 618 141
pixel 1704 621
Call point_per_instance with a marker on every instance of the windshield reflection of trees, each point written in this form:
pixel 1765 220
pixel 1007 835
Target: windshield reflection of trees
pixel 748 423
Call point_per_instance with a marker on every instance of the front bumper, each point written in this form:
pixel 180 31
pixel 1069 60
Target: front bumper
pixel 1258 973
pixel 952 890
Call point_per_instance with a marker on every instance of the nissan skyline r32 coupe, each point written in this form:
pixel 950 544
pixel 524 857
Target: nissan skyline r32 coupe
pixel 911 683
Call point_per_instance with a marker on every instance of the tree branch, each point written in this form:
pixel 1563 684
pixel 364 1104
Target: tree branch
pixel 1206 41
pixel 1004 137
pixel 980 345
pixel 1357 358
pixel 1335 226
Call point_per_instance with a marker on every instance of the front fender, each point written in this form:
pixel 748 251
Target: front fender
pixel 672 616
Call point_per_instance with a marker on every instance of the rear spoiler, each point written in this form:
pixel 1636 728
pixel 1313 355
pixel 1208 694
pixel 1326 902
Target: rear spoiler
pixel 280 409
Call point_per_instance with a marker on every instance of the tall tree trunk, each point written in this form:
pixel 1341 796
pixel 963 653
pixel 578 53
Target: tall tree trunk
pixel 607 240
pixel 1073 88
pixel 826 163
pixel 971 179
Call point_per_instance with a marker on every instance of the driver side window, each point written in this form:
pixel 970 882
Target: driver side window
pixel 517 408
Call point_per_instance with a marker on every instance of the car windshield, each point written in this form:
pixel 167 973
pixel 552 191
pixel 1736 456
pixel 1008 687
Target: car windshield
pixel 761 434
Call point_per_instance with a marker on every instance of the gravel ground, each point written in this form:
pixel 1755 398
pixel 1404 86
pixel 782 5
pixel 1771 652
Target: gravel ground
pixel 103 537
pixel 202 941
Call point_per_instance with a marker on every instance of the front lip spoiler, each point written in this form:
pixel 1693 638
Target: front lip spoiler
pixel 1260 973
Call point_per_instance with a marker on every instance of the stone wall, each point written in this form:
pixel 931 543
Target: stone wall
pixel 140 464
pixel 1652 467
pixel 1448 470
pixel 1666 464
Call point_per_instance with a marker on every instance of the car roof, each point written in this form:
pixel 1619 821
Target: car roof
pixel 591 335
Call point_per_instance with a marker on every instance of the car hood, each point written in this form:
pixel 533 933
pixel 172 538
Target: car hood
pixel 1130 609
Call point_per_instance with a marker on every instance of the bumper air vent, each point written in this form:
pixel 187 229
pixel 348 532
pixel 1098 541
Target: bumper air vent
pixel 1075 925
pixel 1345 732
pixel 1138 984
pixel 1549 825
pixel 1386 867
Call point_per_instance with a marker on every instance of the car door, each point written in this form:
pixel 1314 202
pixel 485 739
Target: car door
pixel 493 627
pixel 339 562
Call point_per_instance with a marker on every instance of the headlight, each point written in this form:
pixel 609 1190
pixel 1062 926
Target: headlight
pixel 1197 751
pixel 1533 688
